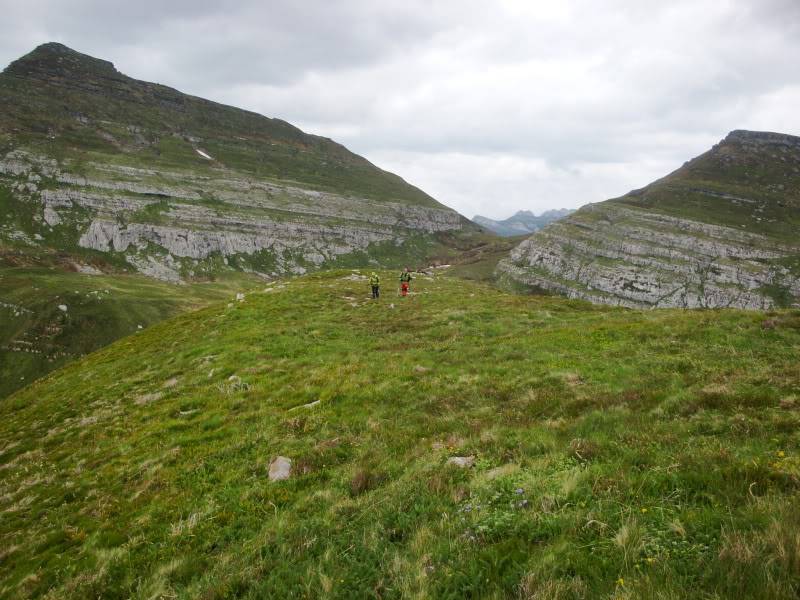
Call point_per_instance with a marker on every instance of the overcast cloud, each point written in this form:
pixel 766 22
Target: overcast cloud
pixel 490 107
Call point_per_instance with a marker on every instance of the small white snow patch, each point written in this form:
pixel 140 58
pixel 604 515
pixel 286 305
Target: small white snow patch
pixel 203 154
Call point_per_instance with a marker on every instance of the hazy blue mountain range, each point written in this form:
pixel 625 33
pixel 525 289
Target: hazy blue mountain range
pixel 524 221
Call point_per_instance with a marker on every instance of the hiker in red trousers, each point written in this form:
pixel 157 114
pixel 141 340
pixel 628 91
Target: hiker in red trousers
pixel 405 281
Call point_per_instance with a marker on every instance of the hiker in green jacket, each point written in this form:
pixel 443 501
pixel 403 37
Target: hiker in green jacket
pixel 375 282
pixel 405 281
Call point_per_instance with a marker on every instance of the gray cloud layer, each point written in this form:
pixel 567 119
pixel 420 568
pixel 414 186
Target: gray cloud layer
pixel 490 107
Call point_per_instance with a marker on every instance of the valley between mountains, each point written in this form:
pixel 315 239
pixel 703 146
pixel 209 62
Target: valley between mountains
pixel 200 398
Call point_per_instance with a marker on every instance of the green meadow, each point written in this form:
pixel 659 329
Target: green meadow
pixel 614 453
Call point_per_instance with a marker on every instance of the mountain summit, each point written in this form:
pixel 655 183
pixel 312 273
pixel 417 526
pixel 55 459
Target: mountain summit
pixel 720 231
pixel 53 60
pixel 139 175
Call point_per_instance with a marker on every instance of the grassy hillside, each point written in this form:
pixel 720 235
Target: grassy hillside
pixel 36 336
pixel 750 180
pixel 617 453
pixel 67 105
pixel 721 231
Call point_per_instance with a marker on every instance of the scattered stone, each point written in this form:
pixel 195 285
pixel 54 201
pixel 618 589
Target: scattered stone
pixel 462 462
pixel 171 383
pixel 421 369
pixel 148 398
pixel 51 217
pixel 240 297
pixel 309 405
pixel 501 471
pixel 280 469
pixel 87 269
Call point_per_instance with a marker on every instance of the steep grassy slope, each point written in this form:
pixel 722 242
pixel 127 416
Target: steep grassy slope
pixel 37 336
pixel 177 187
pixel 722 230
pixel 70 105
pixel 617 453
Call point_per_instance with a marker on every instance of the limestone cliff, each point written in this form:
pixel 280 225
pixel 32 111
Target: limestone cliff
pixel 721 231
pixel 174 186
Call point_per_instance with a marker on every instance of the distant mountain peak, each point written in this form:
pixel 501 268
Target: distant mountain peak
pixel 53 59
pixel 522 222
pixel 744 135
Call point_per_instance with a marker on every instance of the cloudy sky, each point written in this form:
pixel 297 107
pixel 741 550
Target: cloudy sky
pixel 490 107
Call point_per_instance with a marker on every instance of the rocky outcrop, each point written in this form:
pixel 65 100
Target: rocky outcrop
pixel 158 218
pixel 173 184
pixel 698 238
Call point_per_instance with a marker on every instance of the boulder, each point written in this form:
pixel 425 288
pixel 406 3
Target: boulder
pixel 462 462
pixel 280 468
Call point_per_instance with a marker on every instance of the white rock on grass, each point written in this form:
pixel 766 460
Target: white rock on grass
pixel 462 462
pixel 280 469
pixel 148 398
pixel 309 405
pixel 240 297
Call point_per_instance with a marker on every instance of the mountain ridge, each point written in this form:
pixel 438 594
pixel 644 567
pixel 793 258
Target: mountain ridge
pixel 521 222
pixel 177 187
pixel 720 231
pixel 56 64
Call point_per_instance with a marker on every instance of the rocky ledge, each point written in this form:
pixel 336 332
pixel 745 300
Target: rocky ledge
pixel 721 231
pixel 171 224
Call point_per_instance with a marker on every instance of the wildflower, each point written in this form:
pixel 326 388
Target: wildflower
pixel 650 560
pixel 781 454
pixel 620 581
pixel 644 510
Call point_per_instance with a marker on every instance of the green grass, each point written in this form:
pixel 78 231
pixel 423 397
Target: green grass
pixel 41 116
pixel 618 453
pixel 37 337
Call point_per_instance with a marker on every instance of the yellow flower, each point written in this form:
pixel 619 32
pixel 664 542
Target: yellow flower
pixel 620 581
pixel 650 560
pixel 781 453
pixel 644 510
